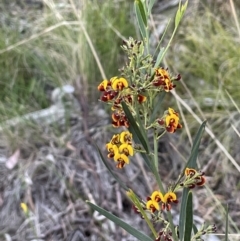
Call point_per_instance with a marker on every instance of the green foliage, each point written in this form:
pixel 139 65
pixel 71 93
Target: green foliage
pixel 139 235
pixel 54 51
pixel 189 218
pixel 207 53
pixel 192 162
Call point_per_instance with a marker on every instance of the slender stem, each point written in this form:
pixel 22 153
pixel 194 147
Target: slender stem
pixel 137 203
pixel 155 143
pixel 169 215
pixel 161 135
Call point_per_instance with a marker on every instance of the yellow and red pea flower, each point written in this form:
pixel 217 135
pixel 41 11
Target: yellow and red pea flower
pixel 198 177
pixel 152 205
pixel 141 98
pixel 112 149
pixel 171 120
pixel 104 85
pixel 122 159
pixel 108 95
pixel 126 149
pixel 162 79
pixel 157 197
pixel 126 137
pixel 119 84
pixel 119 119
pixel 115 139
pixel 120 147
pixel 153 201
pixel 168 198
pixel 190 172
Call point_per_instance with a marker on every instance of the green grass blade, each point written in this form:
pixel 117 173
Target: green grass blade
pixel 189 218
pixel 142 11
pixel 134 232
pixel 162 37
pixel 137 203
pixel 159 57
pixel 140 20
pixel 110 170
pixel 177 17
pixel 136 129
pixel 195 230
pixel 192 162
pixel 182 216
pixel 180 12
pixel 226 227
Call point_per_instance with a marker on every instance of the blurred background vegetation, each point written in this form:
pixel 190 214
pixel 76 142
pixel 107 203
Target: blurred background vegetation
pixel 44 45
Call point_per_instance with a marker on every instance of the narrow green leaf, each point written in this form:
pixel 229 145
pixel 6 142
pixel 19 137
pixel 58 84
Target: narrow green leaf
pixel 134 232
pixel 177 18
pixel 226 226
pixel 110 170
pixel 180 12
pixel 195 230
pixel 182 216
pixel 162 37
pixel 159 57
pixel 192 161
pixel 140 21
pixel 137 203
pixel 136 128
pixel 189 218
pixel 142 11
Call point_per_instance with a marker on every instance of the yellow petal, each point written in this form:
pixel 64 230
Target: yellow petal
pixel 121 157
pixel 119 84
pixel 126 148
pixel 152 203
pixel 126 137
pixel 169 195
pixel 24 207
pixel 157 195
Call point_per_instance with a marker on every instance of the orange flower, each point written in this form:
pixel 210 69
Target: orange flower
pixel 126 137
pixel 162 78
pixel 103 85
pixel 193 178
pixel 157 197
pixel 141 98
pixel 122 159
pixel 171 121
pixel 126 149
pixel 168 198
pixel 112 149
pixel 153 201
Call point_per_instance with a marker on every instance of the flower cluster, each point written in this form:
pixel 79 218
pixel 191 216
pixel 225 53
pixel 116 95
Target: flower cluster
pixel 165 235
pixel 205 229
pixel 193 178
pixel 115 91
pixel 157 198
pixel 163 80
pixel 120 148
pixel 170 120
